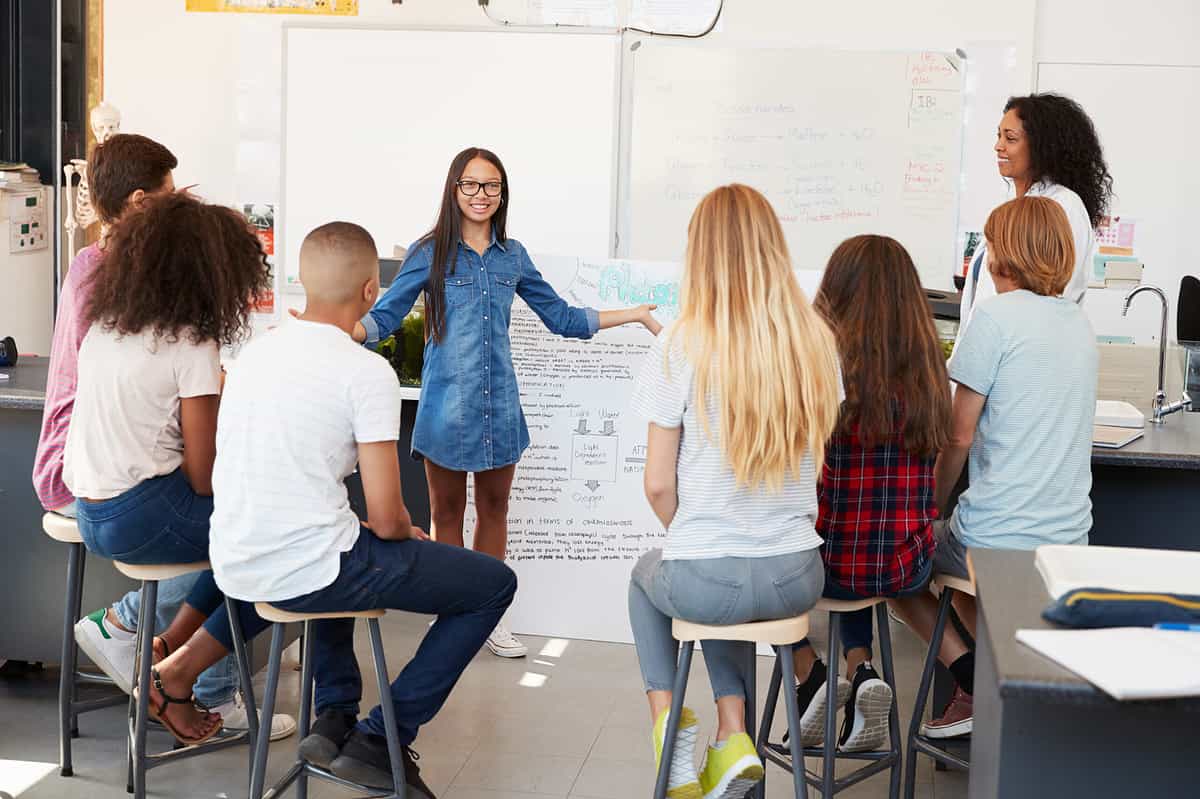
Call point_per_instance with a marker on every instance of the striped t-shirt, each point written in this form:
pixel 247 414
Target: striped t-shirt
pixel 69 329
pixel 716 518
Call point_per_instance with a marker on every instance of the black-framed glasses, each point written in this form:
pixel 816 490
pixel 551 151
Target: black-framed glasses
pixel 471 187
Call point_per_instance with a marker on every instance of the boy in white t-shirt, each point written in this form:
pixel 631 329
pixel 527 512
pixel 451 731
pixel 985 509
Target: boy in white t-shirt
pixel 302 406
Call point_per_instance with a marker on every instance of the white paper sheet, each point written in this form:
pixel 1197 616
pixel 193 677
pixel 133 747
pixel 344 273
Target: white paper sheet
pixel 673 16
pixel 1065 568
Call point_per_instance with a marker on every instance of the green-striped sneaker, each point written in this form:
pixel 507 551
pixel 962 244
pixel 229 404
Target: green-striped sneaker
pixel 108 646
pixel 731 771
pixel 682 783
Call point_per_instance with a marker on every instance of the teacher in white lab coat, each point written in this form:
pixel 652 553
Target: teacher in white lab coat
pixel 1047 146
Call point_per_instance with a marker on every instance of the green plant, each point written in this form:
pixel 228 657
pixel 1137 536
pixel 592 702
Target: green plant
pixel 405 349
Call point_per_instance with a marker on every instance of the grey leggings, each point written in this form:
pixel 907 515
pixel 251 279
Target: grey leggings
pixel 715 591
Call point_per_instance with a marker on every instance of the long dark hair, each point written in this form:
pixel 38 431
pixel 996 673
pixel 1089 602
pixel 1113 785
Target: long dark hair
pixel 180 266
pixel 447 232
pixel 893 367
pixel 1064 147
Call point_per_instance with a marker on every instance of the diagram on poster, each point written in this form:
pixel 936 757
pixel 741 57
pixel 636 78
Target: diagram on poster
pixel 578 517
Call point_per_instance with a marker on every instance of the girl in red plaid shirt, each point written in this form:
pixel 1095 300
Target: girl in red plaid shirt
pixel 877 490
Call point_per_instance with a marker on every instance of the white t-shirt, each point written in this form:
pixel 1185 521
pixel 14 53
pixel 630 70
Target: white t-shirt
pixel 716 518
pixel 1085 242
pixel 297 403
pixel 125 427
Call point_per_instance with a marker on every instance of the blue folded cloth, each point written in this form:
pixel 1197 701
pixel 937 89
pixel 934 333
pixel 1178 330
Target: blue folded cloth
pixel 1100 607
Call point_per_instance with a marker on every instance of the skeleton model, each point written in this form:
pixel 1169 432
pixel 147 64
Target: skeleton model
pixel 106 120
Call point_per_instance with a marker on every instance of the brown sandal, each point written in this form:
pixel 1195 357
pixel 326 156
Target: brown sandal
pixel 159 713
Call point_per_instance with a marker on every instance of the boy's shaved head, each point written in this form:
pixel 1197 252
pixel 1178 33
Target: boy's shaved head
pixel 336 260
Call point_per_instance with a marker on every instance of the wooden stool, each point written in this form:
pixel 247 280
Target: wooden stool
pixel 782 634
pixel 66 530
pixel 828 752
pixel 301 770
pixel 918 743
pixel 139 702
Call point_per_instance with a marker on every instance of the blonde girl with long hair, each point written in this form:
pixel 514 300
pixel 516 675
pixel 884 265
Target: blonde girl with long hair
pixel 740 395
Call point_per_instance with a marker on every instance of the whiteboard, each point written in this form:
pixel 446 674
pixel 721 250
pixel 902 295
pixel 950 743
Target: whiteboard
pixel 841 143
pixel 373 117
pixel 1149 145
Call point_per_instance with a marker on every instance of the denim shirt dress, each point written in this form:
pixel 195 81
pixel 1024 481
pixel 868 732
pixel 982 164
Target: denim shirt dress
pixel 470 418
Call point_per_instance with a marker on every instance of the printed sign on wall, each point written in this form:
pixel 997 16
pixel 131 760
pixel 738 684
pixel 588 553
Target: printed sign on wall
pixel 327 8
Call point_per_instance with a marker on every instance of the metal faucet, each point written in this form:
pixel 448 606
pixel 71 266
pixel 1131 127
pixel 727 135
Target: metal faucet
pixel 1161 408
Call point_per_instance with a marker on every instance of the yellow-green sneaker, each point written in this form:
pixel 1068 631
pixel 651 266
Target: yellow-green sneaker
pixel 731 771
pixel 682 783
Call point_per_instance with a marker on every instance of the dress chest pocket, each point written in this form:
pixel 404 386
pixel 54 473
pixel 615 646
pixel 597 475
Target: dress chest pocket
pixel 460 289
pixel 504 286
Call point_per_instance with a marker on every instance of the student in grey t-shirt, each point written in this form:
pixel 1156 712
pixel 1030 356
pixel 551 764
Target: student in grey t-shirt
pixel 1025 371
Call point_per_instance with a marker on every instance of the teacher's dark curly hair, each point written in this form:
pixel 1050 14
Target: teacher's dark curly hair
pixel 180 267
pixel 1065 149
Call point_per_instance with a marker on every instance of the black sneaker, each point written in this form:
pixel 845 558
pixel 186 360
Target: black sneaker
pixel 865 726
pixel 810 697
pixel 326 736
pixel 364 760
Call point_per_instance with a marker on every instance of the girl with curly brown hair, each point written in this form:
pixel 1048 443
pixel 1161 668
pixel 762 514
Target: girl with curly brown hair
pixel 175 285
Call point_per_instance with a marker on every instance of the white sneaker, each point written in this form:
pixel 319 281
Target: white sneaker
pixel 108 646
pixel 503 644
pixel 233 713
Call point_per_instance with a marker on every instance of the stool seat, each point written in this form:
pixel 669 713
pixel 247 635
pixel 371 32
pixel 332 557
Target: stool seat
pixel 160 571
pixel 954 583
pixel 780 632
pixel 61 528
pixel 847 605
pixel 274 614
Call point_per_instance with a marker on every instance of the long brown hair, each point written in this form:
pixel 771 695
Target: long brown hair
pixel 872 296
pixel 179 266
pixel 447 232
pixel 760 352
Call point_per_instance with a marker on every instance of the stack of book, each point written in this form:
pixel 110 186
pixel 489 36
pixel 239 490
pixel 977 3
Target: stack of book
pixel 15 175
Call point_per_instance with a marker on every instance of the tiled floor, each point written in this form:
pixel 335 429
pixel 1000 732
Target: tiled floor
pixel 568 721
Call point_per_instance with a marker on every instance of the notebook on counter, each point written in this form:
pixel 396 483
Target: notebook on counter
pixel 1065 567
pixel 1114 437
pixel 1114 413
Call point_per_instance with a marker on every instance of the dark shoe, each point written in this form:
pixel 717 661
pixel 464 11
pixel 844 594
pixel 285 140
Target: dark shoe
pixel 865 725
pixel 364 760
pixel 810 698
pixel 326 737
pixel 958 718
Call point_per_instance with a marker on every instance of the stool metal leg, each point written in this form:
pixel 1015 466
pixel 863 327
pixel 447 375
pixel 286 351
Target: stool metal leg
pixel 145 637
pixel 672 722
pixel 242 659
pixel 78 614
pixel 66 680
pixel 788 669
pixel 764 731
pixel 914 724
pixel 258 769
pixel 389 710
pixel 889 676
pixel 306 692
pixel 829 772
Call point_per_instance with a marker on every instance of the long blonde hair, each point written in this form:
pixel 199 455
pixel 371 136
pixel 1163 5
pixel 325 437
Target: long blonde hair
pixel 758 349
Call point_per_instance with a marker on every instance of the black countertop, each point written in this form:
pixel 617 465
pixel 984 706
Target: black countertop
pixel 1012 596
pixel 25 388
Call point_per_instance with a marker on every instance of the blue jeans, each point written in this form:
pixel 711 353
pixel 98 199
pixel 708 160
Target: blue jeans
pixel 162 520
pixel 468 592
pixel 856 628
pixel 714 591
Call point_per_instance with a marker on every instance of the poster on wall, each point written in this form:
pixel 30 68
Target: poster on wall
pixel 261 217
pixel 326 8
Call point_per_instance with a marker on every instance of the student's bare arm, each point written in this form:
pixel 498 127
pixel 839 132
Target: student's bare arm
pixel 640 314
pixel 387 516
pixel 964 418
pixel 662 458
pixel 198 423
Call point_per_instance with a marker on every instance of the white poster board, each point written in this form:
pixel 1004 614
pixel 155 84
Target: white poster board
pixel 840 142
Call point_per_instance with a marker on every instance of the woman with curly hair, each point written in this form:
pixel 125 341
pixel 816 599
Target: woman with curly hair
pixel 175 285
pixel 1047 146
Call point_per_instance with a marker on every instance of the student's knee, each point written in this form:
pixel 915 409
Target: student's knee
pixel 491 504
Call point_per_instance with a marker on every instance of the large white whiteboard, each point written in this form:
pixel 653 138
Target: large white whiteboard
pixel 841 142
pixel 373 117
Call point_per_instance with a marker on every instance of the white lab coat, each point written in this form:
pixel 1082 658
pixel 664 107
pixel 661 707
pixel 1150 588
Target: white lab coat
pixel 1085 242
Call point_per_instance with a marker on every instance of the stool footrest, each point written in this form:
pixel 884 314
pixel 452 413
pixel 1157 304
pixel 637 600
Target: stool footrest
pixel 926 745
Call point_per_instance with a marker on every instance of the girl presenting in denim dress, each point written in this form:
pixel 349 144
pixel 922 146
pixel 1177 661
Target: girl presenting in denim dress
pixel 470 417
